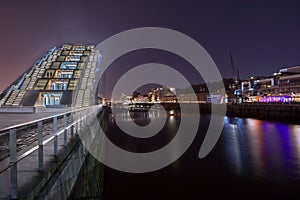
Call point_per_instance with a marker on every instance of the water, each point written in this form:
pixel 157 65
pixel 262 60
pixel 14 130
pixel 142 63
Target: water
pixel 253 159
pixel 262 149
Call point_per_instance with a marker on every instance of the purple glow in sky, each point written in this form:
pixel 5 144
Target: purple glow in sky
pixel 263 36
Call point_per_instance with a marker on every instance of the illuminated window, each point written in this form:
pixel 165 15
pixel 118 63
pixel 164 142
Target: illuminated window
pixel 68 65
pixel 64 74
pixel 79 47
pixel 86 53
pixel 65 53
pixel 55 65
pixel 41 84
pixel 77 74
pixel 73 58
pixel 72 85
pixel 83 58
pixel 58 85
pixel 67 47
pixel 61 58
pixel 49 99
pixel 80 65
pixel 49 73
pixel 76 53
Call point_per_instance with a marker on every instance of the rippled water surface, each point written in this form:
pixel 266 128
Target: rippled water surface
pixel 252 159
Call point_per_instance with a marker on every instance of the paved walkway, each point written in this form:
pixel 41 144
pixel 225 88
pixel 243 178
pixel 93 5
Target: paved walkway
pixel 27 169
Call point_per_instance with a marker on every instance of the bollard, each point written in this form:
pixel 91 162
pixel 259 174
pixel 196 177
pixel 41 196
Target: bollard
pixel 41 146
pixel 13 162
pixel 55 128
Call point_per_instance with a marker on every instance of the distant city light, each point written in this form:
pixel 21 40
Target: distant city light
pixel 277 99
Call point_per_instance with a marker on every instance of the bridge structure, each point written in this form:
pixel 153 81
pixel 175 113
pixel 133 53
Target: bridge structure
pixel 41 115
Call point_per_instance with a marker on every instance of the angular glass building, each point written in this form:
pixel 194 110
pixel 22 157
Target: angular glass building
pixel 62 77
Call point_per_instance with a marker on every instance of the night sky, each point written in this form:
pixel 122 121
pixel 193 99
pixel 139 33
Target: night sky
pixel 263 36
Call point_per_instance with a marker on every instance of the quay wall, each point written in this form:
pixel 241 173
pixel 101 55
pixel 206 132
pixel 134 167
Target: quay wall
pixel 289 113
pixel 277 112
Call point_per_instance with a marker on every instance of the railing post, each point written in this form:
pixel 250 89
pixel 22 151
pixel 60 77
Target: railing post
pixel 77 122
pixel 81 120
pixel 89 116
pixel 55 128
pixel 85 117
pixel 65 130
pixel 13 162
pixel 72 127
pixel 41 146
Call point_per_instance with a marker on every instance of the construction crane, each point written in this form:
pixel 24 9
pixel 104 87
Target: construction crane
pixel 235 70
pixel 236 78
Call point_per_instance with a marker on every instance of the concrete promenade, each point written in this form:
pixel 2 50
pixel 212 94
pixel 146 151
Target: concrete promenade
pixel 29 179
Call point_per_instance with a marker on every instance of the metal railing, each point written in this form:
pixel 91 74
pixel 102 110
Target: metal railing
pixel 78 119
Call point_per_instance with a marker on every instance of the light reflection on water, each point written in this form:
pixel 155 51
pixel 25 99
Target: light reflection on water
pixel 250 147
pixel 259 148
pixel 253 159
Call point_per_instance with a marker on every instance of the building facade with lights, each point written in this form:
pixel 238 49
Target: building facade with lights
pixel 283 86
pixel 60 78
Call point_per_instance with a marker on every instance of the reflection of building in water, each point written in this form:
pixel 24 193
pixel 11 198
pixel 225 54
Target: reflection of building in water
pixel 233 146
pixel 262 149
pixel 54 79
pixel 295 137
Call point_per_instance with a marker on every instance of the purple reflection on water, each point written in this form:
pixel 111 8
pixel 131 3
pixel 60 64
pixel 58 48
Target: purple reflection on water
pixel 287 144
pixel 262 149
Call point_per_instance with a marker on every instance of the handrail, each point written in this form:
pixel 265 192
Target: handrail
pixel 34 148
pixel 79 120
pixel 38 120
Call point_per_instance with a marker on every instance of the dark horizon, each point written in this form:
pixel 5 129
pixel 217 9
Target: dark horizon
pixel 262 36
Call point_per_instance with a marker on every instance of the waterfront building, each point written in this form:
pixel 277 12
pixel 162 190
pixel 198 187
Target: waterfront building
pixel 60 78
pixel 282 86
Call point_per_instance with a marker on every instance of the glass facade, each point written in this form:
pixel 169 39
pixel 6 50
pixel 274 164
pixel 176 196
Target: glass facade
pixel 51 99
pixel 54 77
pixel 62 73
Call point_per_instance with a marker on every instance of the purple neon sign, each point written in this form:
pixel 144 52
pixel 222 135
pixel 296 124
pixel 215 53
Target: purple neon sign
pixel 280 99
